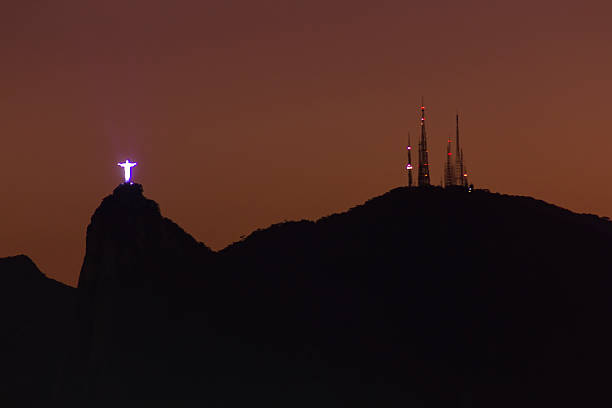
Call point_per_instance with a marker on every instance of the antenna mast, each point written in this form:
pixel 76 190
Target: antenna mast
pixel 409 165
pixel 424 174
pixel 462 173
pixel 449 170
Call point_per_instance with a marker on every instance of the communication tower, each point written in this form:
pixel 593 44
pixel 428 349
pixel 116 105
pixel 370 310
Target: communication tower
pixel 449 168
pixel 460 165
pixel 409 164
pixel 424 173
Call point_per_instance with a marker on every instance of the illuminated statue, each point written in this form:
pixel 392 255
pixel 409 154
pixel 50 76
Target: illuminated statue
pixel 126 167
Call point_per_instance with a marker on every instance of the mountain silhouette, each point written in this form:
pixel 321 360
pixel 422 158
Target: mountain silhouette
pixel 421 297
pixel 38 319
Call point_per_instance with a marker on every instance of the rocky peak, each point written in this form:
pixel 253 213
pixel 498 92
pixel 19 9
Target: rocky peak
pixel 19 268
pixel 132 287
pixel 130 244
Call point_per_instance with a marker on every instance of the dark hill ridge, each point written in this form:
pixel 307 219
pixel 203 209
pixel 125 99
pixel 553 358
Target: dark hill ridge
pixel 480 294
pixel 419 297
pixel 439 205
pixel 37 315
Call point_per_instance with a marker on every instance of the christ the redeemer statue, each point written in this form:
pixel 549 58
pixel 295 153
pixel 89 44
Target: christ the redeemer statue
pixel 127 168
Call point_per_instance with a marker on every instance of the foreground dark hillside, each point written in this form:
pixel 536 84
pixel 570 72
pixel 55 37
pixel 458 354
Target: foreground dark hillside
pixel 476 297
pixel 419 297
pixel 37 317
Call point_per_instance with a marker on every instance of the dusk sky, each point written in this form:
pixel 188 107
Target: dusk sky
pixel 241 113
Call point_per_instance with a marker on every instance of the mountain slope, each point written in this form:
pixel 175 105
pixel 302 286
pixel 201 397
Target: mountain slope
pixel 475 295
pixel 37 315
pixel 419 297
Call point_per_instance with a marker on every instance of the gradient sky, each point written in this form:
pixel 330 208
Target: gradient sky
pixel 246 113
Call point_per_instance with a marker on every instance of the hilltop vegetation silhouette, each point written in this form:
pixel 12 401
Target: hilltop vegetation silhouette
pixel 421 297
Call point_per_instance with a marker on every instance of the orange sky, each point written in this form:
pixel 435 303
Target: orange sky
pixel 246 113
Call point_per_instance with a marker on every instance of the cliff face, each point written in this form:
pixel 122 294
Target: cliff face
pixel 129 244
pixel 134 286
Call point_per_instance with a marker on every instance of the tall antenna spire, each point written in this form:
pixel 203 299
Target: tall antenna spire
pixel 461 171
pixel 465 172
pixel 449 169
pixel 409 165
pixel 424 173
